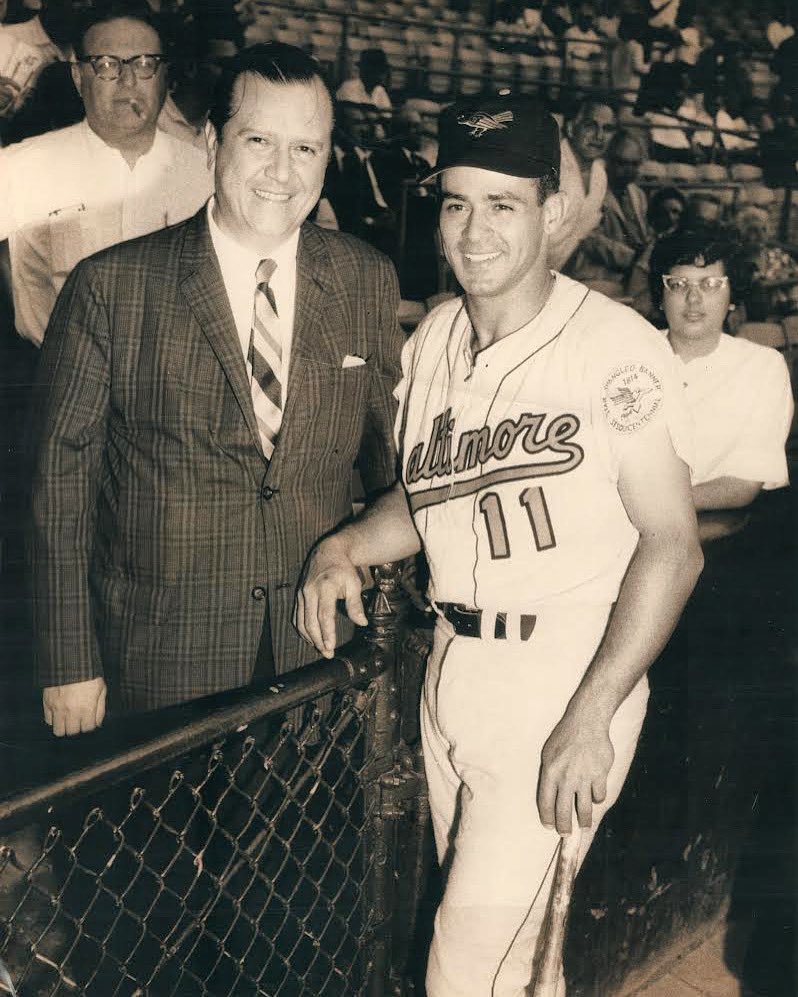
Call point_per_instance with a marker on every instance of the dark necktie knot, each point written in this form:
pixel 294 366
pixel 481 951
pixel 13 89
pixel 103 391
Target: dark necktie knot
pixel 263 275
pixel 265 271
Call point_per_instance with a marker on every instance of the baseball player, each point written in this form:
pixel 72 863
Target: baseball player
pixel 543 449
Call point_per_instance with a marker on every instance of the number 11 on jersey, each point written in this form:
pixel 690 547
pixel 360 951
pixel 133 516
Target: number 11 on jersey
pixel 534 501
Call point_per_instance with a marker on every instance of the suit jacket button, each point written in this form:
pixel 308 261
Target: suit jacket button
pixel 259 593
pixel 266 493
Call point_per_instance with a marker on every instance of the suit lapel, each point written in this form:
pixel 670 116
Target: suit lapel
pixel 202 285
pixel 313 338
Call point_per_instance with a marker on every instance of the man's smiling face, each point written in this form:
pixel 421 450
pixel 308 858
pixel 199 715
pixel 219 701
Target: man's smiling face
pixel 492 226
pixel 271 159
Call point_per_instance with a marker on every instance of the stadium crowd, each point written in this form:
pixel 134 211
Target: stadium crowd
pixel 650 95
pixel 678 155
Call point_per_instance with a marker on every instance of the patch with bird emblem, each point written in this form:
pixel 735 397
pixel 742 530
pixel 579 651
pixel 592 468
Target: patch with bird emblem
pixel 632 396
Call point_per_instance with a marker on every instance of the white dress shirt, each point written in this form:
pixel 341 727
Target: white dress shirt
pixel 66 194
pixel 239 266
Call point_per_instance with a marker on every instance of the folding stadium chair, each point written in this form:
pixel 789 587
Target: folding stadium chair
pixel 745 171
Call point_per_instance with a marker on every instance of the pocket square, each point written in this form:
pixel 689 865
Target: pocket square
pixel 350 361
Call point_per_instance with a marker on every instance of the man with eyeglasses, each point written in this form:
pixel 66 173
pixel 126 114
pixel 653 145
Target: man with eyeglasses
pixel 114 176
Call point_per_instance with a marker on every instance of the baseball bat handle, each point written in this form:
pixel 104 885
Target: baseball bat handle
pixel 550 959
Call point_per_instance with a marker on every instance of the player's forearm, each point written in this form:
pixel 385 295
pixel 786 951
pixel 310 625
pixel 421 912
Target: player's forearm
pixel 383 532
pixel 659 580
pixel 725 493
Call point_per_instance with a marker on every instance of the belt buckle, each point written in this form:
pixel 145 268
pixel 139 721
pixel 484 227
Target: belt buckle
pixel 467 622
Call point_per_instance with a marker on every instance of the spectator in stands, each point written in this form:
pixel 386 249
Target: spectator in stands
pixel 628 64
pixel 774 272
pixel 584 54
pixel 738 392
pixel 397 166
pixel 666 209
pixel 429 111
pixel 69 193
pixel 778 141
pixel 702 140
pixel 368 87
pixel 703 208
pixel 583 175
pixel 672 140
pixel 720 71
pixel 352 185
pixel 605 257
pixel 736 136
pixel 29 47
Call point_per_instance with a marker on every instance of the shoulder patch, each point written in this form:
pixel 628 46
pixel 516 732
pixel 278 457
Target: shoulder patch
pixel 631 396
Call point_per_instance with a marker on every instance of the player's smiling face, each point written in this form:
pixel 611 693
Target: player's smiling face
pixel 271 159
pixel 696 314
pixel 492 228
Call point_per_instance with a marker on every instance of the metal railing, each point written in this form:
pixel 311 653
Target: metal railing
pixel 249 849
pixel 549 62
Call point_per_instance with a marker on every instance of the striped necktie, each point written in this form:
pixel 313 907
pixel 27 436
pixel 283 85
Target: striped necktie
pixel 266 360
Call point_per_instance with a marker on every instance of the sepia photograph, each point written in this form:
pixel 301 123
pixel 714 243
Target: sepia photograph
pixel 397 537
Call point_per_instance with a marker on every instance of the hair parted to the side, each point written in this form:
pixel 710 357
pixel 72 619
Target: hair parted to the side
pixel 699 245
pixel 274 62
pixel 103 11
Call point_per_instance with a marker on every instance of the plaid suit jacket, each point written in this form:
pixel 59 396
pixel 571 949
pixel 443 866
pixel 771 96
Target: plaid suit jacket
pixel 155 516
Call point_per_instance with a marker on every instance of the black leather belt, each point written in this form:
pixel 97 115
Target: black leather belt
pixel 468 622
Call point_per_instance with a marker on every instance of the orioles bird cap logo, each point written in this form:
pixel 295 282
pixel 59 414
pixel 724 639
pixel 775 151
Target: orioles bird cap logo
pixel 480 123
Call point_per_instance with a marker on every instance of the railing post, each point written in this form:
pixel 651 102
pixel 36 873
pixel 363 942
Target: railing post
pixel 383 727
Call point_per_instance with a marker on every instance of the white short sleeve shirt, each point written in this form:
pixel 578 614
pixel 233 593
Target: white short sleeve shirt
pixel 741 406
pixel 66 194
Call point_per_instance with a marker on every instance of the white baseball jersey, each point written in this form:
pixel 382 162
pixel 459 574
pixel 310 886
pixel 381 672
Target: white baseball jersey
pixel 510 455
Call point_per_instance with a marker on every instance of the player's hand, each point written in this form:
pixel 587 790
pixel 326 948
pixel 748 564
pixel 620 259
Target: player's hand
pixel 575 763
pixel 75 708
pixel 329 575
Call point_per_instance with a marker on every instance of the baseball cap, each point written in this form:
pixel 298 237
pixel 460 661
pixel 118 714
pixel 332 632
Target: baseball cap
pixel 506 133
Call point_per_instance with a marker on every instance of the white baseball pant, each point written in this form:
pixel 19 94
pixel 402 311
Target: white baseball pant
pixel 487 708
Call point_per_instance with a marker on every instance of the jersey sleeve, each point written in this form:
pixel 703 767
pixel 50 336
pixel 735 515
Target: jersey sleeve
pixel 401 391
pixel 760 454
pixel 638 389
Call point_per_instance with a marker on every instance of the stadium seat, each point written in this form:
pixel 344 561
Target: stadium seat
pixel 712 171
pixel 745 171
pixel 438 60
pixel 764 333
pixel 472 66
pixel 502 66
pixel 529 73
pixel 759 194
pixel 650 169
pixel 684 172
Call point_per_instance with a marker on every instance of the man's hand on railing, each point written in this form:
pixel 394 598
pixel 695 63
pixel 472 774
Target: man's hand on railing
pixel 329 576
pixel 75 708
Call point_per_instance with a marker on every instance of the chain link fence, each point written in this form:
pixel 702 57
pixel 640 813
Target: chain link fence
pixel 250 851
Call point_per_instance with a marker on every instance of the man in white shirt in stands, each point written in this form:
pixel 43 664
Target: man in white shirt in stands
pixel 67 194
pixel 368 87
pixel 583 176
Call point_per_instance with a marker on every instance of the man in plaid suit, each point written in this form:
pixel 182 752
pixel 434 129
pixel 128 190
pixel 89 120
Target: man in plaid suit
pixel 171 517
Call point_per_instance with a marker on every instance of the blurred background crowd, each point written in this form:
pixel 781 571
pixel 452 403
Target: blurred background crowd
pixel 671 111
